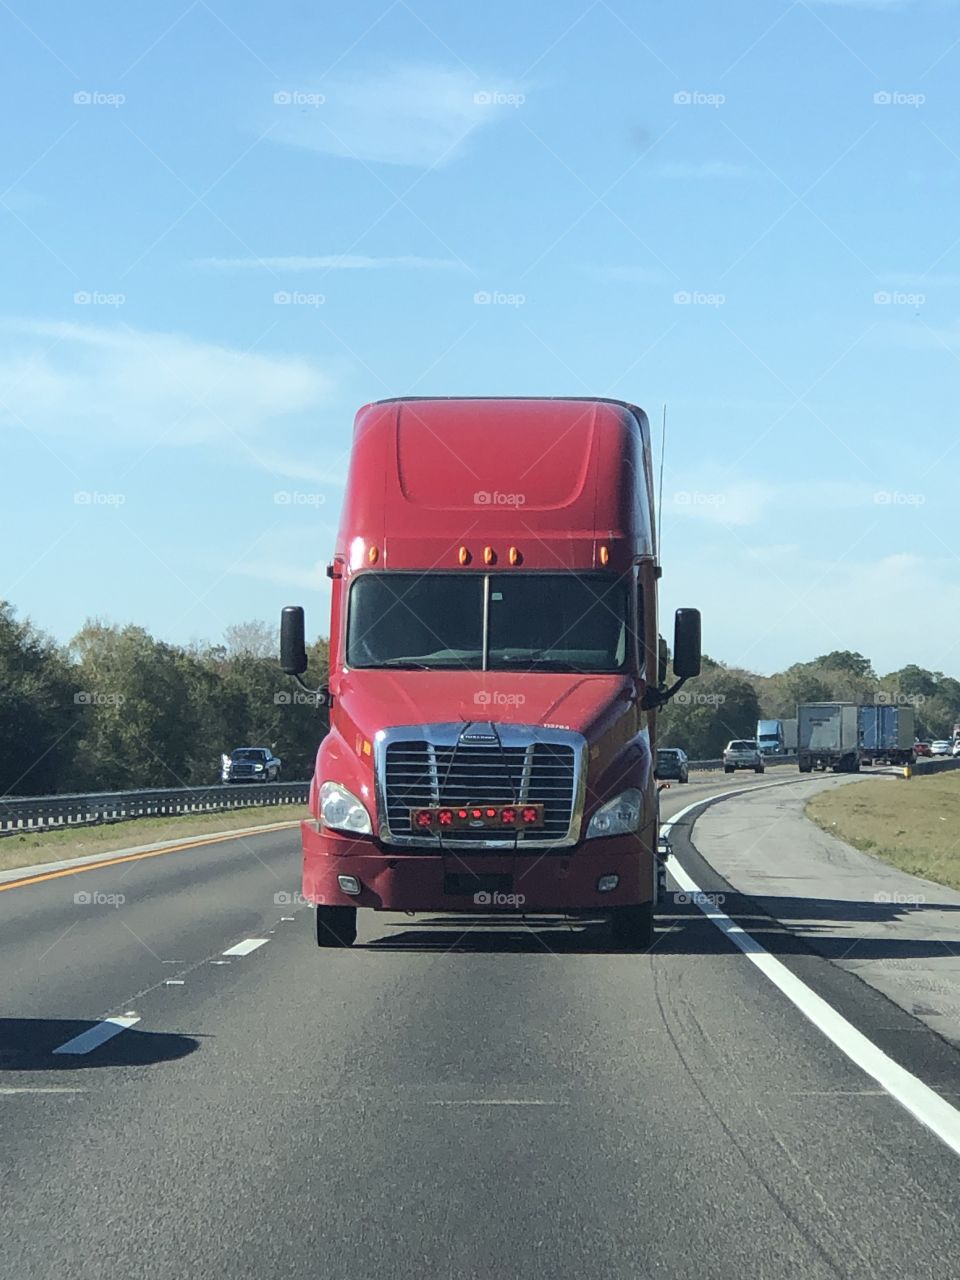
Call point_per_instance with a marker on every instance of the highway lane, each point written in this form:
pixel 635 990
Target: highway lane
pixel 444 1101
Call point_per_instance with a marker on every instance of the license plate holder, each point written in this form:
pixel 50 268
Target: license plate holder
pixel 468 883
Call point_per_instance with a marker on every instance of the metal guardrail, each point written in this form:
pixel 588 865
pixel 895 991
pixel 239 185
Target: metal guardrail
pixel 45 813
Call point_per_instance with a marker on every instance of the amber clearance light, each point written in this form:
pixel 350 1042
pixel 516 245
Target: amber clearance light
pixel 604 554
pixel 373 554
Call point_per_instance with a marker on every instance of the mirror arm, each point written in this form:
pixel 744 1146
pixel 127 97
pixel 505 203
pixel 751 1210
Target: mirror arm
pixel 654 698
pixel 322 692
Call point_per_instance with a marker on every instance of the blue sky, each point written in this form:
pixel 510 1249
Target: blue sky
pixel 226 227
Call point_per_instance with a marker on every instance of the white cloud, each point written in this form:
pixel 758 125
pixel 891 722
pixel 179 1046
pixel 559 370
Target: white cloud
pixel 707 169
pixel 766 614
pixel 330 262
pixel 126 384
pixel 407 115
pixel 710 497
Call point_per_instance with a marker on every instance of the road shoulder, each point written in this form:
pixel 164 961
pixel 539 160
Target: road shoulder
pixel 897 932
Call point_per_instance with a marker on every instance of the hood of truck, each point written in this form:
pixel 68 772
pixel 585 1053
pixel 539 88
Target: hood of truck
pixel 372 700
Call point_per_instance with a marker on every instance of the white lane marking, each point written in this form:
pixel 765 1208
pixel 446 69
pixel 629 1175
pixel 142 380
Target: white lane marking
pixel 245 947
pixel 5 1092
pixel 97 1035
pixel 923 1103
pixel 497 1102
pixel 173 982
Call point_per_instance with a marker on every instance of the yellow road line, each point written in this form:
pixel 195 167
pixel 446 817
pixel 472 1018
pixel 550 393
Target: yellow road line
pixel 151 853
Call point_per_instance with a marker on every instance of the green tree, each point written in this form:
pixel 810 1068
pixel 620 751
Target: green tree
pixel 38 711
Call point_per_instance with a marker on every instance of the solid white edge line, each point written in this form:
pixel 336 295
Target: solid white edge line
pixel 923 1103
pixel 97 1035
pixel 245 947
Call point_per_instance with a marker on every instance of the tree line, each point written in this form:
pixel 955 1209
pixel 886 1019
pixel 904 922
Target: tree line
pixel 726 702
pixel 117 709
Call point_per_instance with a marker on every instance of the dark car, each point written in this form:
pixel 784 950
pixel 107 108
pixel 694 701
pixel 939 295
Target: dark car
pixel 922 749
pixel 250 764
pixel 672 763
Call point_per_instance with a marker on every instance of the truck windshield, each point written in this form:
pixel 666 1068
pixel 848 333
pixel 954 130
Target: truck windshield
pixel 497 622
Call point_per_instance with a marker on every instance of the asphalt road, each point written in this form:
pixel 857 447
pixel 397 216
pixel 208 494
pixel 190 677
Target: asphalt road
pixel 451 1098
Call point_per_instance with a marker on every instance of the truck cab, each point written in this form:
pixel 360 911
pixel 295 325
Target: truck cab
pixel 495 667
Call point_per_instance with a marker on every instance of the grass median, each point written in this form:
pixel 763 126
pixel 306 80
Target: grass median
pixel 913 825
pixel 29 848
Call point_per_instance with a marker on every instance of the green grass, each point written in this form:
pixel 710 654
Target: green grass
pixel 25 849
pixel 912 824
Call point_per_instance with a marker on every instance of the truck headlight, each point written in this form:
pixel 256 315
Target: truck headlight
pixel 619 816
pixel 258 768
pixel 341 810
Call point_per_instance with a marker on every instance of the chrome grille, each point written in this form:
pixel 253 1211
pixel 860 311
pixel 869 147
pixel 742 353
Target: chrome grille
pixel 420 774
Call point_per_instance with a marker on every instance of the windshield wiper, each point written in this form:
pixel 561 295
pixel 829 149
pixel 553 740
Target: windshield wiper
pixel 417 664
pixel 533 662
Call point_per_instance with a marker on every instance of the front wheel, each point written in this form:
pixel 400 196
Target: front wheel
pixel 336 926
pixel 758 768
pixel 631 928
pixel 684 777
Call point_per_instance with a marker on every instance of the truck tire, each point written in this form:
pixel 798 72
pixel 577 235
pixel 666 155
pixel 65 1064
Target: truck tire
pixel 336 926
pixel 728 768
pixel 805 768
pixel 758 768
pixel 631 928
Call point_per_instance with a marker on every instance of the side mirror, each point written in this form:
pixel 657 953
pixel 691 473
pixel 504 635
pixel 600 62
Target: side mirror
pixel 686 643
pixel 293 650
pixel 662 660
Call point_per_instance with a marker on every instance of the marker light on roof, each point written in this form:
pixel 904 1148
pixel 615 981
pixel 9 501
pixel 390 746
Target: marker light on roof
pixel 489 555
pixel 604 555
pixel 464 555
pixel 513 555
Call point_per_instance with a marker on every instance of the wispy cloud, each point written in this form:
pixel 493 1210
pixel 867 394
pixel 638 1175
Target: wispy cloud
pixel 706 169
pixel 134 386
pixel 406 115
pixel 330 262
pixel 716 501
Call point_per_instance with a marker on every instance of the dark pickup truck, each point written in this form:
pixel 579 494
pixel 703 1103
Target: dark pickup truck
pixel 250 764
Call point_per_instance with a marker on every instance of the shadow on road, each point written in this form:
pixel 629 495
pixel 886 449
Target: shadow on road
pixel 27 1044
pixel 798 926
pixel 496 934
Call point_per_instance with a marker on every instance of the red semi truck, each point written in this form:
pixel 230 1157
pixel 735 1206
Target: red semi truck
pixel 495 668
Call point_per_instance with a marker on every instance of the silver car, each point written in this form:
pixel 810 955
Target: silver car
pixel 742 753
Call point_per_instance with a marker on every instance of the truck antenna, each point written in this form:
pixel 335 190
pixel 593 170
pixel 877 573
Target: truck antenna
pixel 663 446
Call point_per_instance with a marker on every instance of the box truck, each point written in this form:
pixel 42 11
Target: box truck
pixel 828 736
pixel 495 668
pixel 887 734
